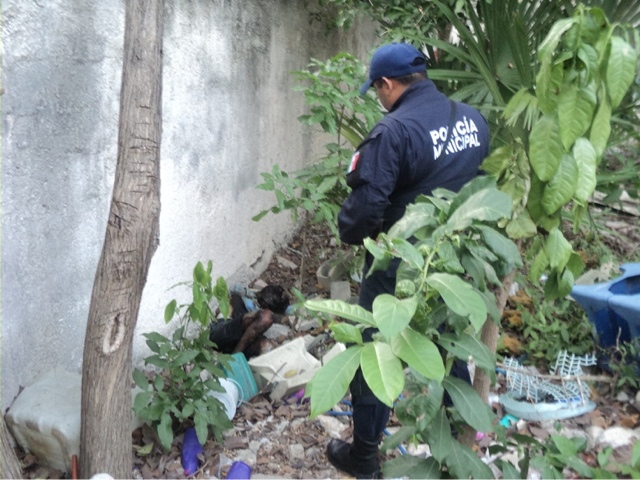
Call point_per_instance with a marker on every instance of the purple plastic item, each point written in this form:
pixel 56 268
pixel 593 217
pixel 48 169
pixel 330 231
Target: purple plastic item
pixel 239 471
pixel 190 449
pixel 296 397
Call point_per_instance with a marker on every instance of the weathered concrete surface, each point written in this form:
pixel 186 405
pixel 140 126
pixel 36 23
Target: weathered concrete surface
pixel 229 113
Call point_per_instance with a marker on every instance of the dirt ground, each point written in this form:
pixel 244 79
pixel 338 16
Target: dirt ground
pixel 280 441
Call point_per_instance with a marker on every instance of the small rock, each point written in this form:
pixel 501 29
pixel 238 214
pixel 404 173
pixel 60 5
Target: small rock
pixel 332 426
pixel 618 437
pixel 574 433
pixel 310 324
pixel 421 450
pixel 340 291
pixel 281 427
pixel 276 331
pixel 255 445
pixel 622 397
pixel 296 452
pixel 283 262
pixel 259 284
pixel 593 436
pixel 313 452
pixel 246 456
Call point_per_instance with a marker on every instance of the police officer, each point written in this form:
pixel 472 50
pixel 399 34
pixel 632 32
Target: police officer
pixel 425 141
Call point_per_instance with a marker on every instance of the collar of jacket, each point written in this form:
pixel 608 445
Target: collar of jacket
pixel 414 90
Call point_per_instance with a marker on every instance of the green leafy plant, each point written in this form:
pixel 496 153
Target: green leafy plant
pixel 443 297
pixel 623 360
pixel 186 366
pixel 585 70
pixel 557 455
pixel 331 90
pixel 547 329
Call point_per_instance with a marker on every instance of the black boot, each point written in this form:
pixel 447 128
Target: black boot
pixel 359 459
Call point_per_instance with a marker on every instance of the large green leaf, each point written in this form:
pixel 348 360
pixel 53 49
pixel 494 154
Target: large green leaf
pixel 468 348
pixel 504 248
pixel 462 462
pixel 400 436
pixel 330 383
pixel 342 309
pixel 585 156
pixel 448 255
pixel 482 182
pixel 185 357
pixel 165 433
pixel 460 297
pixel 383 371
pixel 419 352
pixel 545 147
pixel 535 209
pixel 538 267
pixel 407 252
pixel 498 160
pixel 589 57
pixel 521 226
pixel 484 205
pixel 440 439
pixel 621 69
pixel 393 315
pixel 562 185
pixel 601 128
pixel 469 404
pixel 547 47
pixel 575 111
pixel 408 466
pixel 557 249
pixel 140 379
pixel 548 81
pixel 415 217
pixel 346 332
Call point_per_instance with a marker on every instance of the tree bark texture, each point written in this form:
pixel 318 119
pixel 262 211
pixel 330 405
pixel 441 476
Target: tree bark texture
pixel 130 242
pixel 488 336
pixel 9 463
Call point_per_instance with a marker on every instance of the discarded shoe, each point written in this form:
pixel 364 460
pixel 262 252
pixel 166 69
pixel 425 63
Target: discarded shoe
pixel 359 459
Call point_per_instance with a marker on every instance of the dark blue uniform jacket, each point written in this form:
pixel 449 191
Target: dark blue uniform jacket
pixel 405 155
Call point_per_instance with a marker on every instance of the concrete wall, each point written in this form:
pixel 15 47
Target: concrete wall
pixel 229 113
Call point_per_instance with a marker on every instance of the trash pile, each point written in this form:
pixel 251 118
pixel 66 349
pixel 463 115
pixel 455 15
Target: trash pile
pixel 275 353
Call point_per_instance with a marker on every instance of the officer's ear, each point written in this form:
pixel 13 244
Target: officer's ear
pixel 385 82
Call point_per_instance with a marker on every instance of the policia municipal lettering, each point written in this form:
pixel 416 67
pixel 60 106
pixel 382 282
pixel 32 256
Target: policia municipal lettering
pixel 424 142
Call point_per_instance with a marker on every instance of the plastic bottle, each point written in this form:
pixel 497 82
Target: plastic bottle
pixel 239 471
pixel 230 398
pixel 190 449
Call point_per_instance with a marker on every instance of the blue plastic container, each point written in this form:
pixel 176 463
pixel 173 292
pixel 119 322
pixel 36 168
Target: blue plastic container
pixel 613 307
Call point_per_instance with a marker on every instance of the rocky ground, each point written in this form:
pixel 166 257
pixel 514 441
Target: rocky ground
pixel 279 440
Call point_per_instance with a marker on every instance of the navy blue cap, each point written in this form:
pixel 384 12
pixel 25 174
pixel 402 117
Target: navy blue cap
pixel 394 60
